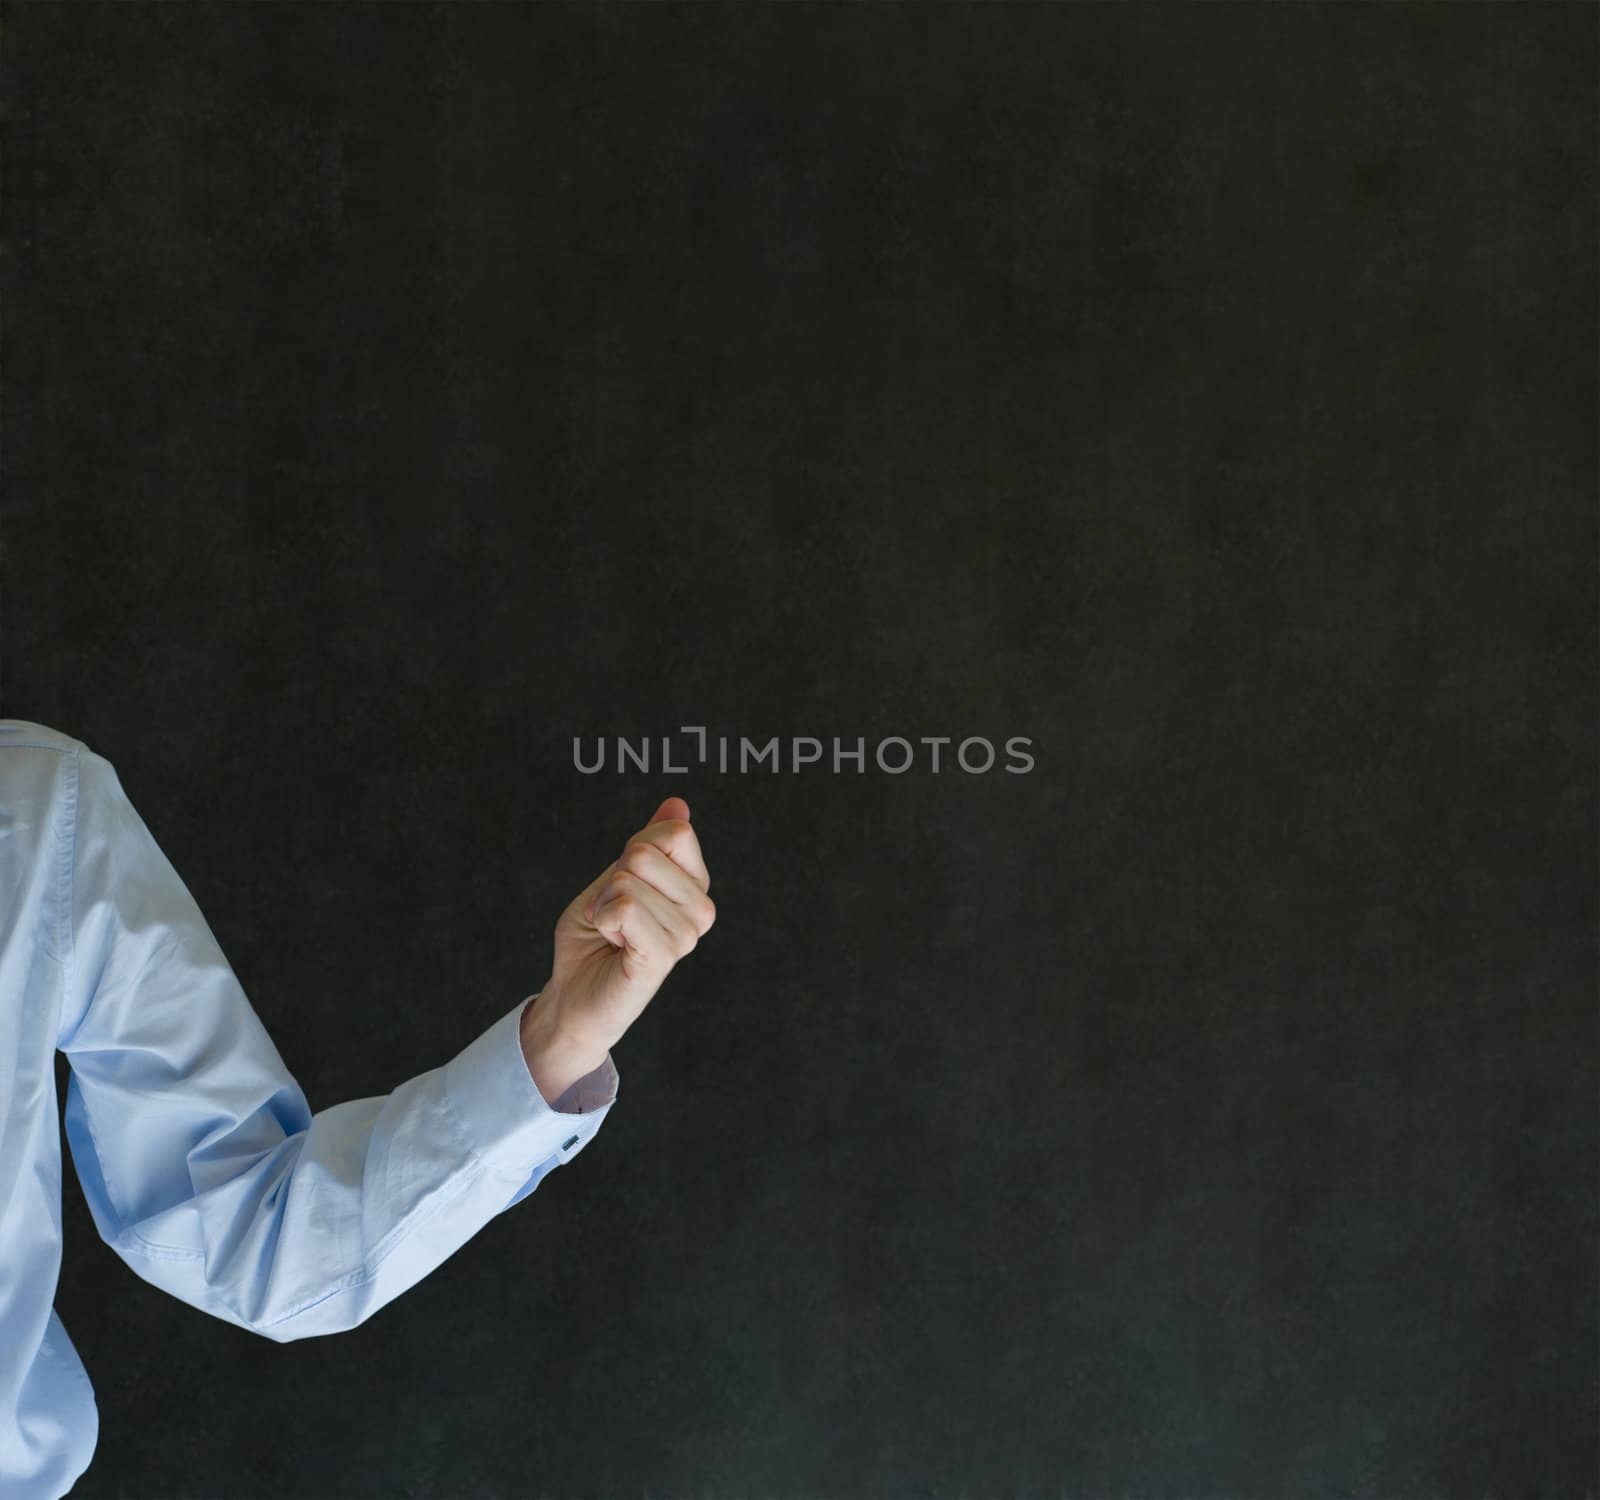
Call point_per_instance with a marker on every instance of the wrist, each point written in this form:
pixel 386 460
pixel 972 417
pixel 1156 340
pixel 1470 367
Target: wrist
pixel 556 1059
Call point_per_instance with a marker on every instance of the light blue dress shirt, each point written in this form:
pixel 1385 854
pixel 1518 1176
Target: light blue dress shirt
pixel 202 1164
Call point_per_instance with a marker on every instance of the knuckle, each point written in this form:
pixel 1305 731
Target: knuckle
pixel 705 913
pixel 635 856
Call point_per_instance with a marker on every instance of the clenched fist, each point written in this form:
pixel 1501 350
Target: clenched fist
pixel 614 944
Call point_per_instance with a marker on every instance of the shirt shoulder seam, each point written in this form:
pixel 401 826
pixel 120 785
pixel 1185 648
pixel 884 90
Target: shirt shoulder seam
pixel 69 947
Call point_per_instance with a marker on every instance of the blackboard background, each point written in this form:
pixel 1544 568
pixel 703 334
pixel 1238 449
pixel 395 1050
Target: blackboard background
pixel 1206 392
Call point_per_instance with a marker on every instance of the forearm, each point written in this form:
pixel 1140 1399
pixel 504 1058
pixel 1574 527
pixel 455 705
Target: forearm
pixel 289 1223
pixel 556 1060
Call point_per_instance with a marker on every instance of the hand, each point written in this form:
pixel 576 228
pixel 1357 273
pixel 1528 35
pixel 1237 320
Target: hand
pixel 623 933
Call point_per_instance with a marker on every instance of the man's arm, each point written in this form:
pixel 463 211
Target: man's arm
pixel 204 1168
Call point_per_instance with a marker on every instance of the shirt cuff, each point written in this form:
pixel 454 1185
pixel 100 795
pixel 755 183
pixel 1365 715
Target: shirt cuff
pixel 506 1119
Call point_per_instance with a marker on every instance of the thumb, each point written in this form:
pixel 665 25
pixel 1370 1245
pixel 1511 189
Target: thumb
pixel 672 807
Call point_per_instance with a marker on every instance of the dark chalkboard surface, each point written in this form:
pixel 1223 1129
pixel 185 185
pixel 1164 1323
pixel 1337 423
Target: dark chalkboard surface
pixel 1205 395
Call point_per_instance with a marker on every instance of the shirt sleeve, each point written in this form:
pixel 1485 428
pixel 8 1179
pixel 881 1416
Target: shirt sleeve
pixel 203 1166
